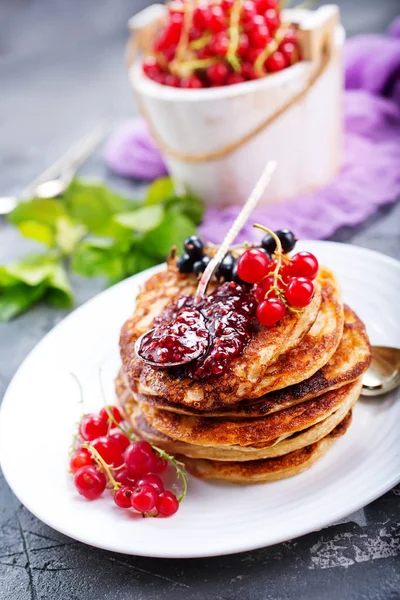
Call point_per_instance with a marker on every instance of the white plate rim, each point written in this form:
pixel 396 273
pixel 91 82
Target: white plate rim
pixel 232 549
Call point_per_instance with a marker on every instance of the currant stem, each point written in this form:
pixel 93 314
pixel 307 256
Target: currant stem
pixel 134 438
pixel 269 50
pixel 201 42
pixel 234 35
pixel 183 43
pixel 102 463
pixel 278 252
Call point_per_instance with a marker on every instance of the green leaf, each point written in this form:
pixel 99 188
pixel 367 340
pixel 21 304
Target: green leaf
pixel 159 191
pixel 59 292
pixel 37 231
pixel 141 220
pixel 94 205
pixel 18 298
pixel 68 234
pixel 40 210
pixel 173 230
pixel 99 257
pixel 24 282
pixel 32 270
pixel 6 279
pixel 191 206
pixel 90 209
pixel 138 261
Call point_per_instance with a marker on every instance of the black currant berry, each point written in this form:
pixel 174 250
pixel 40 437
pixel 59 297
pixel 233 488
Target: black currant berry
pixel 287 239
pixel 225 269
pixel 268 243
pixel 200 265
pixel 194 247
pixel 184 264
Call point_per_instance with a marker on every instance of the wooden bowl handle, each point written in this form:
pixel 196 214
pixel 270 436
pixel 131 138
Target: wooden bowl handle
pixel 144 27
pixel 317 32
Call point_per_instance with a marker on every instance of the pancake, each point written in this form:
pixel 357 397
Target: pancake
pixel 244 376
pixel 269 469
pixel 235 453
pixel 351 359
pixel 226 432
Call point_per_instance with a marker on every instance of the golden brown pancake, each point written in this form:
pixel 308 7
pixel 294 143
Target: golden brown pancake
pixel 351 359
pixel 227 432
pixel 269 469
pixel 245 375
pixel 276 447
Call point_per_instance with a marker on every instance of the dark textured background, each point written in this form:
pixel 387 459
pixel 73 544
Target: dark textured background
pixel 61 72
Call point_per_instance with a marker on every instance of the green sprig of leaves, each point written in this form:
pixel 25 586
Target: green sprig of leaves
pixel 93 232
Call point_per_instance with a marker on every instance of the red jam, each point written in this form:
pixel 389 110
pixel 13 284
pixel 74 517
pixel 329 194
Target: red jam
pixel 229 320
pixel 176 338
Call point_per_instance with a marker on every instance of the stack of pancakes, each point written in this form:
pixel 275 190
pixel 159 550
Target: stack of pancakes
pixel 276 409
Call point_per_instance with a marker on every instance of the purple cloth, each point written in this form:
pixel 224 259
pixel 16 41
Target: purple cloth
pixel 370 172
pixel 131 152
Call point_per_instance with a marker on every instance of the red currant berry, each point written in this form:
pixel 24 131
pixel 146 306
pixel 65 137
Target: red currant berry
pixel 150 67
pixel 140 459
pixel 122 497
pixel 285 272
pixel 216 19
pixel 263 287
pixel 113 410
pixel 161 465
pixel 201 17
pixel 248 11
pixel 80 458
pixel 160 79
pixel 194 34
pixel 272 19
pixel 235 78
pixel 204 53
pixel 122 476
pixel 91 427
pixel 167 504
pixel 253 54
pixel 276 62
pixel 243 44
pixel 270 311
pixel 144 498
pixel 173 30
pixel 218 73
pixel 219 44
pixel 299 292
pixel 290 53
pixel 192 82
pixel 304 264
pixel 110 453
pixel 227 5
pixel 90 482
pixel 172 81
pixel 253 265
pixel 290 36
pixel 119 440
pixel 263 5
pixel 247 71
pixel 260 36
pixel 153 480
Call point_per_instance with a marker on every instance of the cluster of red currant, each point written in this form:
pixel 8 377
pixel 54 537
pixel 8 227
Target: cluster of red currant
pixel 221 42
pixel 280 283
pixel 106 455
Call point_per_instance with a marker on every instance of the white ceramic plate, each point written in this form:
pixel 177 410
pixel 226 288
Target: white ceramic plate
pixel 42 405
